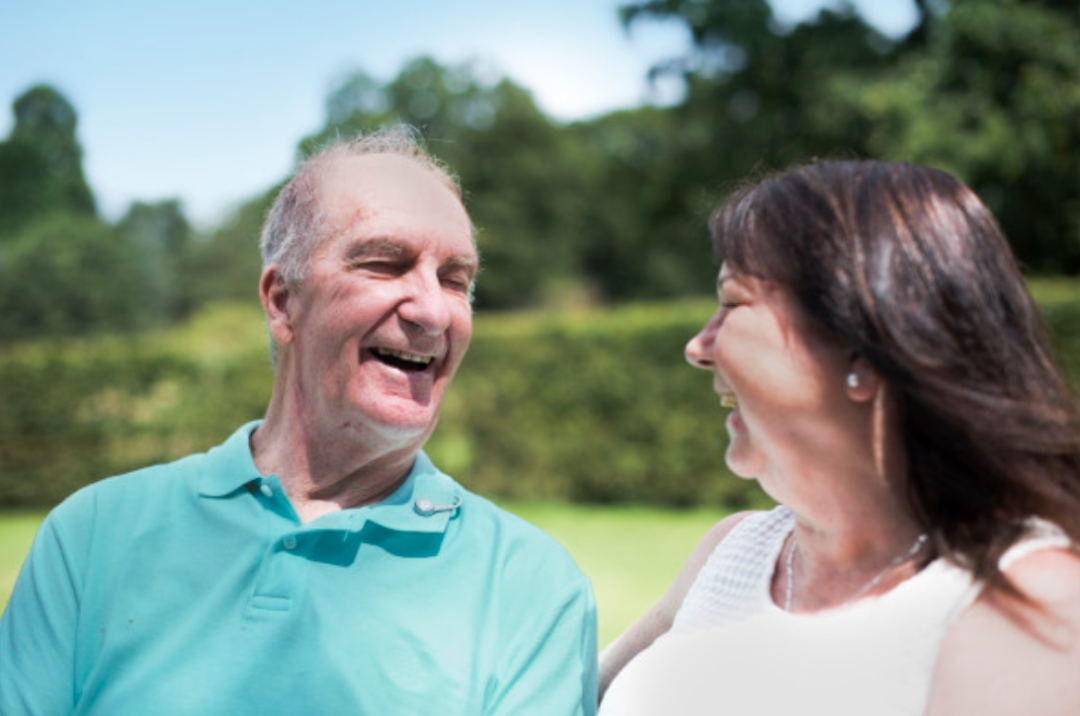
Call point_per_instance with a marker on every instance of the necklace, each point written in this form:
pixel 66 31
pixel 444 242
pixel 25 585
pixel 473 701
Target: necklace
pixel 896 562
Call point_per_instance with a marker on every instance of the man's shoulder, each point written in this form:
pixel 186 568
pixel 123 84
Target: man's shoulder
pixel 147 479
pixel 513 524
pixel 230 461
pixel 514 537
pixel 141 488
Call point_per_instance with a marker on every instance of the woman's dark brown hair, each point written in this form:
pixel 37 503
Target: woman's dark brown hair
pixel 908 267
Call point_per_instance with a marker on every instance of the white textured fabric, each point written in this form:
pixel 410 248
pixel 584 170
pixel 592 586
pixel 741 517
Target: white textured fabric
pixel 734 583
pixel 731 650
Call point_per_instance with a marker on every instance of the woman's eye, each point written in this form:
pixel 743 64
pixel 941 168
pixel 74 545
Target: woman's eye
pixel 731 297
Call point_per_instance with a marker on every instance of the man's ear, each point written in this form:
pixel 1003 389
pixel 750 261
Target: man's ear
pixel 274 295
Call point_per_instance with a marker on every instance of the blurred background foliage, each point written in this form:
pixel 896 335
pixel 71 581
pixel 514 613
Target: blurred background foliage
pixel 123 343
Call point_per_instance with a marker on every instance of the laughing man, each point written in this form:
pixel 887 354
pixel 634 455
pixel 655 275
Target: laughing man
pixel 316 561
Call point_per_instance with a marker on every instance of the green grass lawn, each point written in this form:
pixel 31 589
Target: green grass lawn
pixel 17 529
pixel 630 553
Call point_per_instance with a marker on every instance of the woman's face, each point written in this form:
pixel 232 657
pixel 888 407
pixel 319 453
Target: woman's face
pixel 781 373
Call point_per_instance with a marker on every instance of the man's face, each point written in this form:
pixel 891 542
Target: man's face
pixel 382 318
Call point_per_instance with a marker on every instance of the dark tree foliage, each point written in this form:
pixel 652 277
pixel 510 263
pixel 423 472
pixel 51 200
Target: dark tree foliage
pixel 989 89
pixel 998 102
pixel 159 235
pixel 63 271
pixel 758 94
pixel 225 265
pixel 69 275
pixel 41 162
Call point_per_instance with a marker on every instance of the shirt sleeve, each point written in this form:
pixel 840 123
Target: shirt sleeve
pixel 38 630
pixel 552 669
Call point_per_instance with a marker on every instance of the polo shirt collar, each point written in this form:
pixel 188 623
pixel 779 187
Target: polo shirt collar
pixel 424 502
pixel 230 466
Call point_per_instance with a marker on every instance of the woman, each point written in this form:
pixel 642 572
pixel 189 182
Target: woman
pixel 893 388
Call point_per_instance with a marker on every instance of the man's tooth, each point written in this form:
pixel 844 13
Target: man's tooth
pixel 404 356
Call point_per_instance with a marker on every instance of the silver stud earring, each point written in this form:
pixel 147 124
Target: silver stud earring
pixel 852 380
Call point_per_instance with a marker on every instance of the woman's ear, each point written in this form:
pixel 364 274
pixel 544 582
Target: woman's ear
pixel 274 295
pixel 862 381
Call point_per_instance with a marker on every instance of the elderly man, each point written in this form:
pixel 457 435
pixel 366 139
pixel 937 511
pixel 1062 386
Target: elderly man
pixel 316 562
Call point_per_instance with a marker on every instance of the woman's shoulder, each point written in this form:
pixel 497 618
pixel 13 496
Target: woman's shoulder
pixel 749 523
pixel 722 529
pixel 697 559
pixel 736 554
pixel 1002 656
pixel 757 532
pixel 1050 579
pixel 1050 575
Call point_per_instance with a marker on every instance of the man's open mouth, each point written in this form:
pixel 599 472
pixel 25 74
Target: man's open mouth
pixel 401 359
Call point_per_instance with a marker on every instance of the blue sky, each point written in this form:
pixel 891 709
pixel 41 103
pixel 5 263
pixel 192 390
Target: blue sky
pixel 205 100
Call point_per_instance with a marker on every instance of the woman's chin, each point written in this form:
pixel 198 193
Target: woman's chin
pixel 742 465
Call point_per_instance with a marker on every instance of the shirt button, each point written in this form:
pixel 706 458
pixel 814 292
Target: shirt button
pixel 289 542
pixel 267 490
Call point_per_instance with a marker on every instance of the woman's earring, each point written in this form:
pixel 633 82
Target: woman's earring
pixel 852 380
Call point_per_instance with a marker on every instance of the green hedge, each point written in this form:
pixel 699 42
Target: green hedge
pixel 77 410
pixel 590 406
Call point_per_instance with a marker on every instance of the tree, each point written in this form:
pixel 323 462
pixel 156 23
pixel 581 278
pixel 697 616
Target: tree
pixel 989 89
pixel 643 233
pixel 41 162
pixel 68 274
pixel 754 88
pixel 226 264
pixel 159 233
pixel 994 96
pixel 757 98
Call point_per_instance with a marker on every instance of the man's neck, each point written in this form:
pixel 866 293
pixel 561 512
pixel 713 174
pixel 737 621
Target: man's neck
pixel 323 471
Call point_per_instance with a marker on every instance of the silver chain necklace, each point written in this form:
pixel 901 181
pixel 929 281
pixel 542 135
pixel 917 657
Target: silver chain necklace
pixel 896 562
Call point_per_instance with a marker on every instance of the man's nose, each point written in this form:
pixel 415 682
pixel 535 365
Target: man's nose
pixel 426 305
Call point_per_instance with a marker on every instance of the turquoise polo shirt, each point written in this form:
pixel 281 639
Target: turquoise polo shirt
pixel 193 588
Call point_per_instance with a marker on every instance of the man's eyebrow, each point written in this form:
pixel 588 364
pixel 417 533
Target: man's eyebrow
pixel 388 248
pixel 395 250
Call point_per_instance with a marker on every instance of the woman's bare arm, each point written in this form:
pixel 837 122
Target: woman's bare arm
pixel 659 618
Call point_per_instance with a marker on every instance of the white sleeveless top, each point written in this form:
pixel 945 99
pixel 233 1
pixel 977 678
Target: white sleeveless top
pixel 731 650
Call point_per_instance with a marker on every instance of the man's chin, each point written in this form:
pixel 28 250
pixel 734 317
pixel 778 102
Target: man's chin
pixel 402 419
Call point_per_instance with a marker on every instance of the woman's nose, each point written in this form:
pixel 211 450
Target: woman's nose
pixel 699 349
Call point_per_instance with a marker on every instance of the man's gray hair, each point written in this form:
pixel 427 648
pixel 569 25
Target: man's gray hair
pixel 297 223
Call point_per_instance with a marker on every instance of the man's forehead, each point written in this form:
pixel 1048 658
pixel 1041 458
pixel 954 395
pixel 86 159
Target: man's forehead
pixel 375 179
pixel 376 196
